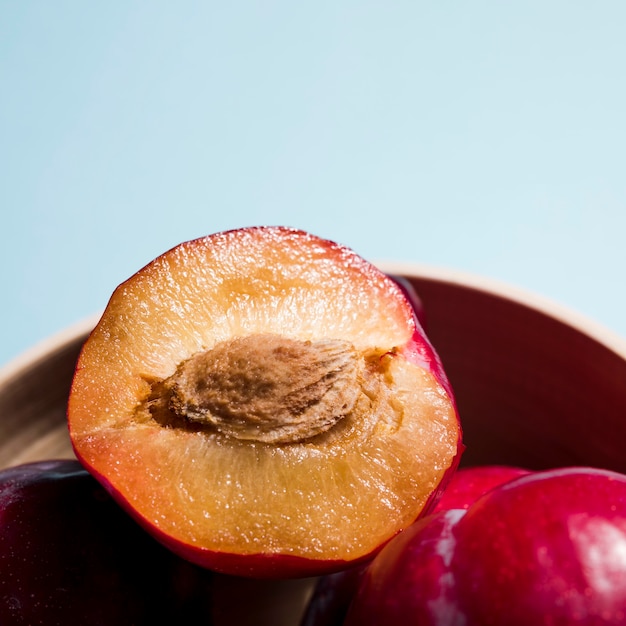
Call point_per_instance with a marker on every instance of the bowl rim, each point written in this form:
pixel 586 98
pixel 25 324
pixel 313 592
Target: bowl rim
pixel 524 297
pixel 41 350
pixel 457 277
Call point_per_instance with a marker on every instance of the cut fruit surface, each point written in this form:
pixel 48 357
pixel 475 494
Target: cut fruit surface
pixel 265 403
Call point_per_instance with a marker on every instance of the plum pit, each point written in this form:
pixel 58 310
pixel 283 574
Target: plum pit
pixel 264 387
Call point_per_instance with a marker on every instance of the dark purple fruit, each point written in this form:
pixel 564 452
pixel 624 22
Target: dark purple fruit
pixel 70 555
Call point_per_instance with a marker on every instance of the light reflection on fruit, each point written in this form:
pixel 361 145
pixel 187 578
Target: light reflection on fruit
pixel 546 548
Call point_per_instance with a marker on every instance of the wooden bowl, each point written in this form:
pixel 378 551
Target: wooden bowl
pixel 536 384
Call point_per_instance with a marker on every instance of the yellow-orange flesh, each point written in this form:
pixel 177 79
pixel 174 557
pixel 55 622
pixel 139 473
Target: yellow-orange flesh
pixel 335 488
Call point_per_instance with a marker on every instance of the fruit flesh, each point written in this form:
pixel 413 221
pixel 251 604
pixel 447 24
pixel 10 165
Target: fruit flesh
pixel 356 483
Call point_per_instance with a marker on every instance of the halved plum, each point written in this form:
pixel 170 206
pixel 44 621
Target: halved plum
pixel 265 403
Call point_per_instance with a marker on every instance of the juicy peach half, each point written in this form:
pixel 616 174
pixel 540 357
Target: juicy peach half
pixel 265 403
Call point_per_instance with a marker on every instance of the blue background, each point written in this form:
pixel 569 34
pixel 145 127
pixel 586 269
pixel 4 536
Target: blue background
pixel 482 136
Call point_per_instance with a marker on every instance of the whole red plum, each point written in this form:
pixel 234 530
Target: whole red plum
pixel 469 483
pixel 548 548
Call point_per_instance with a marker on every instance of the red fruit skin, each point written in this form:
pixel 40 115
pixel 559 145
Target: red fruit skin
pixel 268 566
pixel 548 548
pixel 469 483
pixel 566 563
pixel 409 582
pixel 70 555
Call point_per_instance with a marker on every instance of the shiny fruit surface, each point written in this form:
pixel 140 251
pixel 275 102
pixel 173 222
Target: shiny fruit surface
pixel 469 483
pixel 265 403
pixel 70 555
pixel 544 549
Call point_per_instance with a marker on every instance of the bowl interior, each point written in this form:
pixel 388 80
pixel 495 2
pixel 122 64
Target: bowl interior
pixel 535 387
